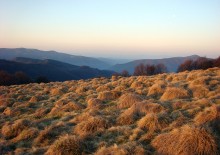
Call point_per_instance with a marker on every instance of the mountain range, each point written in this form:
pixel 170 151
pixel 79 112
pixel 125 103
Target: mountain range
pixel 39 57
pixel 10 54
pixel 52 69
pixel 171 63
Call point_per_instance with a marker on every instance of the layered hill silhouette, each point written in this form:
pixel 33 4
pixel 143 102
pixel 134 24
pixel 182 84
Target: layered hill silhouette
pixel 9 54
pixel 117 65
pixel 52 69
pixel 171 63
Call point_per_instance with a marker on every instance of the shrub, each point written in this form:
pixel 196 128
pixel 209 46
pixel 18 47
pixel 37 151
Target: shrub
pixel 217 62
pixel 19 77
pixel 66 145
pixel 22 78
pixel 125 73
pixel 190 140
pixel 200 63
pixel 6 79
pixel 142 69
pixel 42 79
pixel 139 70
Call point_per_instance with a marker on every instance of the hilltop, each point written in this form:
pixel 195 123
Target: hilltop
pixel 52 69
pixel 168 114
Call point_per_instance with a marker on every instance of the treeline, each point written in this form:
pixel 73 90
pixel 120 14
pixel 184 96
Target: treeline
pixel 149 70
pixel 200 63
pixel 7 79
pixel 188 65
pixel 145 70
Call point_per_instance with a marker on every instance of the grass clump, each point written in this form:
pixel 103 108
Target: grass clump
pixel 94 103
pixel 154 122
pixel 175 93
pixel 127 100
pixel 91 126
pixel 187 140
pixel 126 149
pixel 66 145
pixel 12 130
pixel 209 114
pixel 109 95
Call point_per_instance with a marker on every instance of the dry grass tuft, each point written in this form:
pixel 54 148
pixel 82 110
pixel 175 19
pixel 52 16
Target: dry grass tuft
pixel 33 99
pixel 156 90
pixel 127 100
pixel 209 114
pixel 128 117
pixel 66 145
pixel 187 140
pixel 12 130
pixel 94 103
pixel 126 149
pixel 91 126
pixel 174 93
pixel 41 112
pixel 146 107
pixel 199 91
pixel 26 134
pixel 71 106
pixel 56 91
pixel 47 135
pixel 154 122
pixel 109 95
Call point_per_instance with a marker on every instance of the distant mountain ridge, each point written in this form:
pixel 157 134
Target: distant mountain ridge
pixel 171 63
pixel 10 54
pixel 19 54
pixel 52 69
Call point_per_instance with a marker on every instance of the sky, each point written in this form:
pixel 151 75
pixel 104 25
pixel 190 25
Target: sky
pixel 113 28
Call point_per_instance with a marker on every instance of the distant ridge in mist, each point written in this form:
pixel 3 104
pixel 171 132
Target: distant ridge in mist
pixel 171 63
pixel 52 69
pixel 10 54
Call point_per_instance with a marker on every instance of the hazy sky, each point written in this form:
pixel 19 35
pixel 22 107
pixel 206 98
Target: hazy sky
pixel 113 28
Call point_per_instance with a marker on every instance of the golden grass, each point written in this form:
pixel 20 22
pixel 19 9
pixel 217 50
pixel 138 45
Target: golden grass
pixel 187 140
pixel 127 100
pixel 68 145
pixel 156 90
pixel 208 115
pixel 154 122
pixel 94 103
pixel 174 93
pixel 10 130
pixel 91 126
pixel 126 149
pixel 118 115
pixel 109 95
